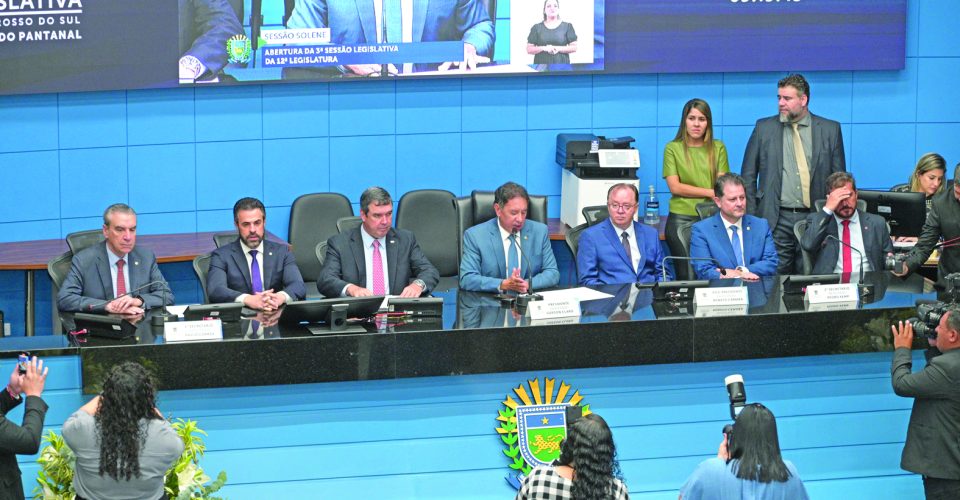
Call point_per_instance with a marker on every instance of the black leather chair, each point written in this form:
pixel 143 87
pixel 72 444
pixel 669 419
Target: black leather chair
pixel 433 217
pixel 321 252
pixel 345 224
pixel 806 258
pixel 483 207
pixel 818 205
pixel 82 239
pixel 683 234
pixel 201 266
pixel 224 239
pixel 313 218
pixel 573 241
pixel 58 268
pixel 706 209
pixel 595 213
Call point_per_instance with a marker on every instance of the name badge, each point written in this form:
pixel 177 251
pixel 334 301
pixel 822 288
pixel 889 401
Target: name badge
pixel 192 331
pixel 832 306
pixel 716 311
pixel 553 308
pixel 723 296
pixel 822 294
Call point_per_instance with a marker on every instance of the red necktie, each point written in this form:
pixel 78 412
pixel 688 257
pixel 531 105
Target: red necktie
pixel 847 254
pixel 121 283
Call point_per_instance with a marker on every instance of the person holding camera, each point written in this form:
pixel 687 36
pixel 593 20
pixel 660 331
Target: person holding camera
pixel 931 447
pixel 587 467
pixel 748 464
pixel 20 439
pixel 122 443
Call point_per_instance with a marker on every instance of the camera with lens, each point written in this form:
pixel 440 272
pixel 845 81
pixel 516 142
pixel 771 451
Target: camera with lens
pixel 738 399
pixel 894 262
pixel 928 318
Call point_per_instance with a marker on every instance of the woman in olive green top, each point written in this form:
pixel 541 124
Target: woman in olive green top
pixel 691 164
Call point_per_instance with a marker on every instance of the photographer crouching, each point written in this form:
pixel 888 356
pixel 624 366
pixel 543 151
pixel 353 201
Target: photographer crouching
pixel 932 447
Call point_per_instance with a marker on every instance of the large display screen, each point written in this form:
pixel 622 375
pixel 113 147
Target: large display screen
pixel 78 45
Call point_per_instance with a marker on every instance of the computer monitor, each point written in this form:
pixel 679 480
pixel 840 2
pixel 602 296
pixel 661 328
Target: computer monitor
pixel 904 212
pixel 331 312
pixel 106 326
pixel 229 312
pixel 676 291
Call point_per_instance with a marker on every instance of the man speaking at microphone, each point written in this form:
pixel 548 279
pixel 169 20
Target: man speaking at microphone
pixel 113 276
pixel 742 244
pixel 863 235
pixel 619 249
pixel 508 253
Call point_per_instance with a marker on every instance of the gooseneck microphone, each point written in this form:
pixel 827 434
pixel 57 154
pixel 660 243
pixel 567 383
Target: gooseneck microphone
pixel 524 298
pixel 863 288
pixel 130 293
pixel 723 271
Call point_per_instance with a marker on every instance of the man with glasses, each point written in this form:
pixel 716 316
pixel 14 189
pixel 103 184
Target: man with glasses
pixel 742 244
pixel 620 249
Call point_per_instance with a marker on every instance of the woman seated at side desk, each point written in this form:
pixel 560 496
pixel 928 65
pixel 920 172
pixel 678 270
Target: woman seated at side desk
pixel 927 178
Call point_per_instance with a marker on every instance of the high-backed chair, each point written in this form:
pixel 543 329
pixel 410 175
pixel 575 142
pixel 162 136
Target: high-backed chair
pixel 807 260
pixel 595 213
pixel 58 268
pixel 706 209
pixel 224 239
pixel 321 252
pixel 573 241
pixel 818 205
pixel 201 266
pixel 82 239
pixel 313 218
pixel 433 217
pixel 483 207
pixel 345 224
pixel 683 235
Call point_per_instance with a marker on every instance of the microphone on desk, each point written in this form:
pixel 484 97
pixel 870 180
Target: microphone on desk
pixel 128 294
pixel 524 298
pixel 723 271
pixel 863 288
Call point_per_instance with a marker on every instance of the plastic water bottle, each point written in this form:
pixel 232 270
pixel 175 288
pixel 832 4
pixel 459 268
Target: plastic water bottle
pixel 651 214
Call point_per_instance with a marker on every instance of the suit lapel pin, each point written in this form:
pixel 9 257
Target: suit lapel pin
pixel 392 242
pixel 136 262
pixel 269 253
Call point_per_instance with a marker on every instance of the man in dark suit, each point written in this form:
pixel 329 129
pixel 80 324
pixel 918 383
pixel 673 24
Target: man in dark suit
pixel 358 22
pixel 867 233
pixel 508 253
pixel 741 243
pixel 205 27
pixel 20 439
pixel 260 274
pixel 786 163
pixel 931 447
pixel 355 267
pixel 619 249
pixel 115 276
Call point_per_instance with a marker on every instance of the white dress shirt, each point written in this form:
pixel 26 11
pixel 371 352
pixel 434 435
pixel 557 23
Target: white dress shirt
pixel 368 259
pixel 634 247
pixel 246 253
pixel 739 225
pixel 113 258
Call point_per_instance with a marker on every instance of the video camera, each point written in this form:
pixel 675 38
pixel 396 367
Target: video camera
pixel 929 314
pixel 738 399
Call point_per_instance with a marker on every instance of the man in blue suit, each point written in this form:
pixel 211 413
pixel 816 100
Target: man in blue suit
pixel 357 22
pixel 258 273
pixel 508 253
pixel 620 249
pixel 742 244
pixel 205 26
pixel 113 276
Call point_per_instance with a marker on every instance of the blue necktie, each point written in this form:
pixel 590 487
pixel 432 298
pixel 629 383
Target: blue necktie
pixel 735 241
pixel 255 273
pixel 513 261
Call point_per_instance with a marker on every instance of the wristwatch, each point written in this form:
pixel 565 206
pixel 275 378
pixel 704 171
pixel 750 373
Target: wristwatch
pixel 421 284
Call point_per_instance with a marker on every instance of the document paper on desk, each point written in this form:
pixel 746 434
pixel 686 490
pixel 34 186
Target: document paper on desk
pixel 580 293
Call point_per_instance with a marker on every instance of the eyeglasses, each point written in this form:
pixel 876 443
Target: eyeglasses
pixel 626 207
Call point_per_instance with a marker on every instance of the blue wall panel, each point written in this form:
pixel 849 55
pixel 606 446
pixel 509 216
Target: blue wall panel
pixel 428 161
pixel 300 110
pixel 494 104
pixel 152 167
pixel 625 101
pixel 229 113
pixel 364 108
pixel 30 190
pixel 228 171
pixel 162 116
pixel 28 123
pixel 559 102
pixel 93 120
pixel 428 106
pixel 294 167
pixel 492 158
pixel 91 180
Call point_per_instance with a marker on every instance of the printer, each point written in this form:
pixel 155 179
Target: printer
pixel 590 165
